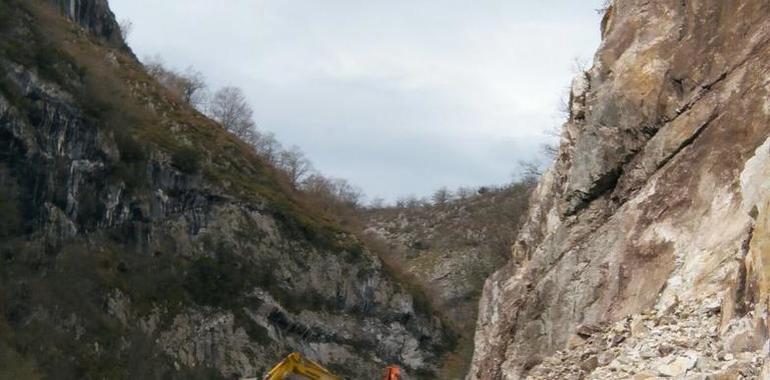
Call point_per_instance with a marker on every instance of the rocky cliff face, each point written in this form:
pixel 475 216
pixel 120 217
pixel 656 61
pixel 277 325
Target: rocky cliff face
pixel 140 240
pixel 447 250
pixel 646 245
pixel 94 16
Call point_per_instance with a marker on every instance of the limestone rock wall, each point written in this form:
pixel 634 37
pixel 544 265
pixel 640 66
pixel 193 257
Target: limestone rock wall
pixel 658 194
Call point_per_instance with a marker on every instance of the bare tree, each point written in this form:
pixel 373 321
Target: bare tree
pixel 154 65
pixel 229 108
pixel 465 192
pixel 316 184
pixel 411 202
pixel 335 196
pixel 605 7
pixel 550 151
pixel 377 203
pixel 295 164
pixel 346 193
pixel 441 196
pixel 189 86
pixel 192 86
pixel 408 201
pixel 580 65
pixel 267 146
pixel 529 170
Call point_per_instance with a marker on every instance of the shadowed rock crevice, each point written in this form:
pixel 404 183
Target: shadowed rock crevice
pixel 688 141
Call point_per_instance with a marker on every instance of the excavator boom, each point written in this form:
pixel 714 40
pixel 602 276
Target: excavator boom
pixel 295 366
pixel 299 367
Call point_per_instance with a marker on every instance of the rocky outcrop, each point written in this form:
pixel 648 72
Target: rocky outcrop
pixel 96 17
pixel 451 248
pixel 140 240
pixel 448 249
pixel 658 194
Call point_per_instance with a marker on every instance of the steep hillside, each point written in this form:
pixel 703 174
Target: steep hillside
pixel 645 252
pixel 447 250
pixel 140 240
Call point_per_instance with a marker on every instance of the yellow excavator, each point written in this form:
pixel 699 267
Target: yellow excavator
pixel 295 366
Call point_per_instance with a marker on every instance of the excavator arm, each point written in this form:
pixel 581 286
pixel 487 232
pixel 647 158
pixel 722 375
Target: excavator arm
pixel 295 366
pixel 298 366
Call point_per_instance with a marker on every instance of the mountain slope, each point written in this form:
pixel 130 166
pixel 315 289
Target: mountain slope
pixel 140 240
pixel 449 249
pixel 653 219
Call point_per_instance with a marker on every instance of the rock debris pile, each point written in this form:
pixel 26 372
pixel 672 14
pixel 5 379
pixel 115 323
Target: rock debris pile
pixel 681 341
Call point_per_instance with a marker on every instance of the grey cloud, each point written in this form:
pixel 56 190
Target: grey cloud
pixel 399 96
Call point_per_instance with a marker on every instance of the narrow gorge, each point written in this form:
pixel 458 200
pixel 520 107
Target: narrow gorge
pixel 142 239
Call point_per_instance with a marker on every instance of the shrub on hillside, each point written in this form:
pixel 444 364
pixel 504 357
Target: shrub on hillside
pixel 187 160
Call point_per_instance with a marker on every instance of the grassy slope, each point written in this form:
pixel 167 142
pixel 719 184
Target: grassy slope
pixel 146 118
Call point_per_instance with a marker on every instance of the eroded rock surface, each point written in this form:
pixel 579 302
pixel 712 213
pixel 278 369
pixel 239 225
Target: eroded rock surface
pixel 451 248
pixel 448 249
pixel 658 195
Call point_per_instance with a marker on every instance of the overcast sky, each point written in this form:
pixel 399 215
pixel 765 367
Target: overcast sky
pixel 398 96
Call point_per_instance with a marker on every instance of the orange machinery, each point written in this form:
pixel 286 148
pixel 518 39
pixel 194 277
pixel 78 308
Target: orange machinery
pixel 393 372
